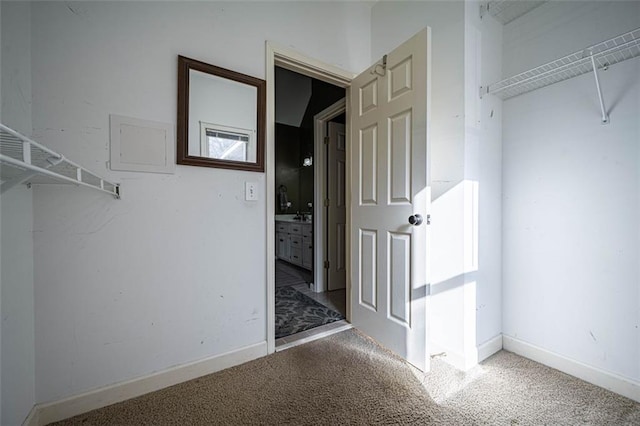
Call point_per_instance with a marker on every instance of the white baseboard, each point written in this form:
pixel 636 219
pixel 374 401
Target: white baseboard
pixel 604 379
pixel 33 418
pixel 449 356
pixel 98 398
pixel 489 348
pixel 466 361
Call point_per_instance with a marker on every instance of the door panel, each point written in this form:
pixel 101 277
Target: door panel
pixel 368 176
pixel 400 277
pixel 389 183
pixel 400 158
pixel 368 97
pixel 341 177
pixel 368 283
pixel 400 79
pixel 341 255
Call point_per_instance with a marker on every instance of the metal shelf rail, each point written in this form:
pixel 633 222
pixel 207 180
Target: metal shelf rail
pixel 25 161
pixel 601 55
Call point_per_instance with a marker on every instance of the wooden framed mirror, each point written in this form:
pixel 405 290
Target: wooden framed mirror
pixel 221 117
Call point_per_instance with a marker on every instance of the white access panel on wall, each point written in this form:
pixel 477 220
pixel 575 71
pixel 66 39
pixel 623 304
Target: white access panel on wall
pixel 141 145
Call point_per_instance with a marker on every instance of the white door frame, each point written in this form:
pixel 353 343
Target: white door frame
pixel 294 61
pixel 320 121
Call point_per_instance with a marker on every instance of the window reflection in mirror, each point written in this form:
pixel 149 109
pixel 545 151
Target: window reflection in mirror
pixel 227 143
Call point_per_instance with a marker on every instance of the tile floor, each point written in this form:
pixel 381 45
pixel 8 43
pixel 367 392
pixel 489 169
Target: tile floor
pixel 288 274
pixel 335 300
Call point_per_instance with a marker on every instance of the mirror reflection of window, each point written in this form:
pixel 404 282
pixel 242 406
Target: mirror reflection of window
pixel 227 146
pixel 226 143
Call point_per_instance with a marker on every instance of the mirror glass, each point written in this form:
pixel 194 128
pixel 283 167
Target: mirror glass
pixel 220 117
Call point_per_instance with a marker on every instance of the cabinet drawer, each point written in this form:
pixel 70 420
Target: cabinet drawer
pixel 296 256
pixel 282 227
pixel 294 228
pixel 307 230
pixel 307 241
pixel 296 241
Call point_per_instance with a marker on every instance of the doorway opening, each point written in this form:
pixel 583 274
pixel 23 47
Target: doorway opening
pixel 306 118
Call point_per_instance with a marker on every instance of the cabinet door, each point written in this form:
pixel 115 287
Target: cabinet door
pixel 307 252
pixel 282 246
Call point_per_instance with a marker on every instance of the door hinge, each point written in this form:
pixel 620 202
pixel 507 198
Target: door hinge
pixel 326 140
pixel 327 202
pixel 428 219
pixel 326 264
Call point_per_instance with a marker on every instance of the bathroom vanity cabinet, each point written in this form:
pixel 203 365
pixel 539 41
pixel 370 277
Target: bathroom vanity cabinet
pixel 294 243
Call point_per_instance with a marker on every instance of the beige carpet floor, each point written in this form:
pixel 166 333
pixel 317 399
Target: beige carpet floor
pixel 348 379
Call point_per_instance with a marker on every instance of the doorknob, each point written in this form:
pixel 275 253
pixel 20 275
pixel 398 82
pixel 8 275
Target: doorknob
pixel 415 219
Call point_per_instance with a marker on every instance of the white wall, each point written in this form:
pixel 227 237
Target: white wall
pixel 483 179
pixel 16 227
pixel 571 235
pixel 175 271
pixel 1 38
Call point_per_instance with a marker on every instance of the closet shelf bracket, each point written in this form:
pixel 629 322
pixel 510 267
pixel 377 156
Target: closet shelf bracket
pixel 24 161
pixel 605 116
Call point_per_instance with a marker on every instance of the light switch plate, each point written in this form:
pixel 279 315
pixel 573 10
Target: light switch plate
pixel 251 191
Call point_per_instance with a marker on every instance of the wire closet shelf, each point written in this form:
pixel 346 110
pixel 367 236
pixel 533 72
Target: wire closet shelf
pixel 25 161
pixel 606 53
pixel 505 11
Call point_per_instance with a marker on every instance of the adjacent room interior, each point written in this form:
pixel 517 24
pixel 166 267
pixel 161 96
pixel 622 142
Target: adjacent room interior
pixel 143 245
pixel 302 307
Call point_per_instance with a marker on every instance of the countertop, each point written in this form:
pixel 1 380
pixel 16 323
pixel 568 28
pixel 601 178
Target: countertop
pixel 288 218
pixel 306 222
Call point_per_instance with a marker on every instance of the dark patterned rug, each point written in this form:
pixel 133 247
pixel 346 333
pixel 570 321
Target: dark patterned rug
pixel 296 312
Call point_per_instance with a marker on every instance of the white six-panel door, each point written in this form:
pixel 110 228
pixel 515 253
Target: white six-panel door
pixel 389 183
